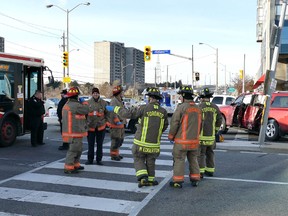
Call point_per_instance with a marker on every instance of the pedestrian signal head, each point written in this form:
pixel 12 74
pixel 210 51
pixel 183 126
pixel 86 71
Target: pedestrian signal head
pixel 154 93
pixel 206 93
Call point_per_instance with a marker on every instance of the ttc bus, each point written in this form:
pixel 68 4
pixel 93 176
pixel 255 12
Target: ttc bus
pixel 20 76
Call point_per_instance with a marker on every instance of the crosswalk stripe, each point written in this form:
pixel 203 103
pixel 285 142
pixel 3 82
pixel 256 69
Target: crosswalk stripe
pixel 109 169
pixel 82 182
pixel 130 160
pixel 11 214
pixel 68 200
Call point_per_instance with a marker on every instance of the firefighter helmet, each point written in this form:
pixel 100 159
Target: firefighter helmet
pixel 185 90
pixel 117 90
pixel 205 93
pixel 72 92
pixel 154 92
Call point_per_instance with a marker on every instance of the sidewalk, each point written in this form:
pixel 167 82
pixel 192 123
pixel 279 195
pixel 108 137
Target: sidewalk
pixel 243 145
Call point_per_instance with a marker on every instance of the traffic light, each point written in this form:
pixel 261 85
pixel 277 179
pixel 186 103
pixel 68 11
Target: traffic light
pixel 65 59
pixel 147 53
pixel 241 74
pixel 197 76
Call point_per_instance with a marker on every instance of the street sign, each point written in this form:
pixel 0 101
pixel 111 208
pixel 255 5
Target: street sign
pixel 231 89
pixel 66 79
pixel 160 51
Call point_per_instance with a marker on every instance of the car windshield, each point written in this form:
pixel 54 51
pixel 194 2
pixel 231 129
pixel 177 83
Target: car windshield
pixel 217 100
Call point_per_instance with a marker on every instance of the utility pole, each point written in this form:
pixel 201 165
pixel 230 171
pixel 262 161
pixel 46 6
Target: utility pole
pixel 243 77
pixel 270 83
pixel 192 60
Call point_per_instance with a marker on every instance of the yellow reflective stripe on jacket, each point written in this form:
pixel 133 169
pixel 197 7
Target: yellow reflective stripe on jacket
pixel 116 109
pixel 160 130
pixel 144 129
pixel 146 144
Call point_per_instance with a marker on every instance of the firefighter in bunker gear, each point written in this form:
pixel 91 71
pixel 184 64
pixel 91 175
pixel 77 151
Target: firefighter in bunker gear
pixel 185 129
pixel 211 122
pixel 74 128
pixel 96 121
pixel 153 121
pixel 116 124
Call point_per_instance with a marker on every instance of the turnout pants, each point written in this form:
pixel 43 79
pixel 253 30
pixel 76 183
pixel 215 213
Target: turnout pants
pixel 179 156
pixel 144 163
pixel 74 153
pixel 206 158
pixel 117 138
pixel 99 136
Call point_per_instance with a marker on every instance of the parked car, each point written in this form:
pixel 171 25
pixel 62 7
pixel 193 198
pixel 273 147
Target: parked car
pixel 246 112
pixel 219 100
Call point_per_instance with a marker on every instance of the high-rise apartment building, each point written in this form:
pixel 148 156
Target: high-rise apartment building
pixel 268 15
pixel 113 62
pixel 2 47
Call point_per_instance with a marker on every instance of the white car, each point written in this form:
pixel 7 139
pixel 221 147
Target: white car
pixel 219 100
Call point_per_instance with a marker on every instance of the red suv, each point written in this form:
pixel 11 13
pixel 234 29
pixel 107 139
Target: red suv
pixel 246 112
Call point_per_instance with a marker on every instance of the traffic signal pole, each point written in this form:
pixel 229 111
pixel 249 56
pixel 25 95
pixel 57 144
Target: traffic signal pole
pixel 270 83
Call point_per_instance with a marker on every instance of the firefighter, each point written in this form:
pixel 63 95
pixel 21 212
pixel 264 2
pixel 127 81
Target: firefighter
pixel 60 106
pixel 184 132
pixel 74 128
pixel 153 121
pixel 116 124
pixel 96 127
pixel 211 122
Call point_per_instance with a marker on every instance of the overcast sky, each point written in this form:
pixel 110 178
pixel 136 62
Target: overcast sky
pixel 29 28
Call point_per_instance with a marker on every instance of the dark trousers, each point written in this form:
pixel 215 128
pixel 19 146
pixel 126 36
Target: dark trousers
pixel 37 131
pixel 99 136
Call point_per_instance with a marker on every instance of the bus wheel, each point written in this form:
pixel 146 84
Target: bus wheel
pixel 8 133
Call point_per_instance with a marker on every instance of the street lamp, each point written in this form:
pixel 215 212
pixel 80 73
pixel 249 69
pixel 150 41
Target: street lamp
pixel 122 73
pixel 216 49
pixel 67 12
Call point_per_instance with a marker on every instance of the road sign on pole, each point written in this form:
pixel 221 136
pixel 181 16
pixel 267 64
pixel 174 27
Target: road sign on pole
pixel 160 51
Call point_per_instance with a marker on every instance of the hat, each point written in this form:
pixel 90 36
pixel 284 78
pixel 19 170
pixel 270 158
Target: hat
pixel 72 92
pixel 185 90
pixel 205 93
pixel 117 90
pixel 154 92
pixel 64 91
pixel 95 90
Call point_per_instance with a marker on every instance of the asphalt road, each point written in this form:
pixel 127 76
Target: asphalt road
pixel 32 182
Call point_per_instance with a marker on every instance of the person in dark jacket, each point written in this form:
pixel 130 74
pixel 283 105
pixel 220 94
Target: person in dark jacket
pixel 36 115
pixel 61 104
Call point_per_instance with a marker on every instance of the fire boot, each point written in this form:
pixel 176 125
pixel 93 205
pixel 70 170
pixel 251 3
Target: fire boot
pixel 176 184
pixel 143 182
pixel 116 158
pixel 194 183
pixel 73 171
pixel 153 183
pixel 209 173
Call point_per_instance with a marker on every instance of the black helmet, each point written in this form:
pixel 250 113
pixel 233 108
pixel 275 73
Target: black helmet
pixel 205 93
pixel 154 92
pixel 185 90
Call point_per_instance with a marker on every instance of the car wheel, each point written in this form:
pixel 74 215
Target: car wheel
pixel 272 130
pixel 223 127
pixel 8 133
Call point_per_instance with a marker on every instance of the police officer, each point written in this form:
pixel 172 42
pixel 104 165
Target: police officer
pixel 74 129
pixel 60 106
pixel 36 112
pixel 116 124
pixel 211 122
pixel 184 132
pixel 153 121
pixel 96 127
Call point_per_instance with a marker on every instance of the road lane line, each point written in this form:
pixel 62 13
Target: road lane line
pixel 68 200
